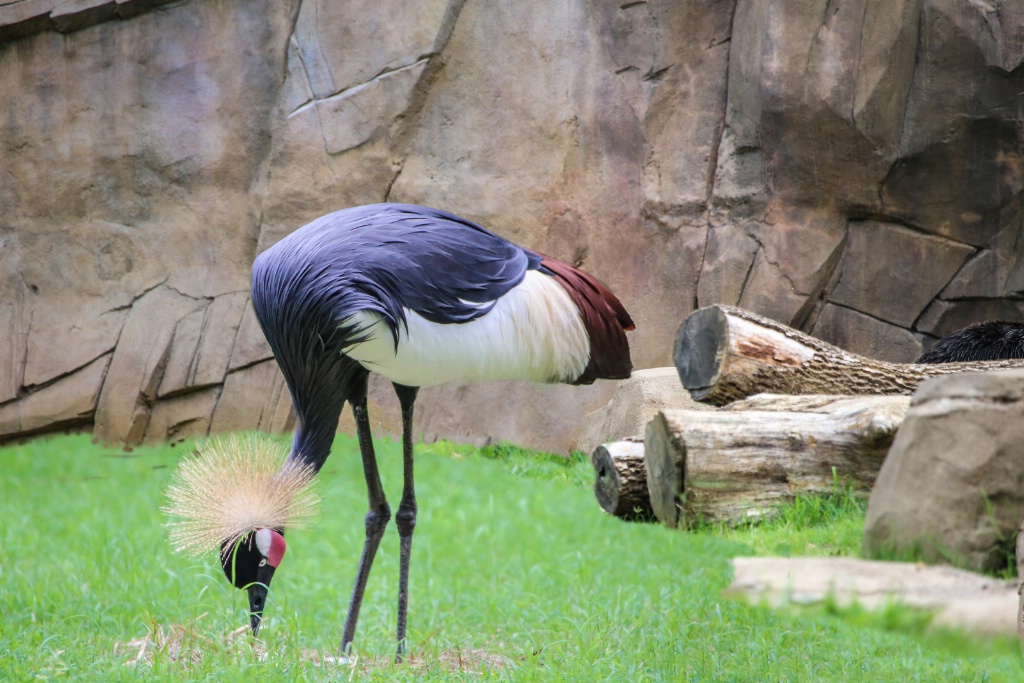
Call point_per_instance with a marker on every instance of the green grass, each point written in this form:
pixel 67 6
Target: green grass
pixel 813 525
pixel 513 565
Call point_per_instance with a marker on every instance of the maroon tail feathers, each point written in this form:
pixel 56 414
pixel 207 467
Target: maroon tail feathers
pixel 604 317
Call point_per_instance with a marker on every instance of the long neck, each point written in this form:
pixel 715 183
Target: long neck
pixel 312 442
pixel 318 400
pixel 313 438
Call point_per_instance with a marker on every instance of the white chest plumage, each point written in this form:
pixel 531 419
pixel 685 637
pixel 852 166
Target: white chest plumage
pixel 534 332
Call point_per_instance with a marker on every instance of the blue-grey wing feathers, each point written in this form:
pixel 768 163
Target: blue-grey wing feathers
pixel 385 258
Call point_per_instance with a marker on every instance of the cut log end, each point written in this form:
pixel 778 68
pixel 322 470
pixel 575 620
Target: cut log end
pixel 665 470
pixel 698 350
pixel 621 483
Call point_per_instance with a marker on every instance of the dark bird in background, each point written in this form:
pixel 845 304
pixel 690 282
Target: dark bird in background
pixel 422 297
pixel 993 340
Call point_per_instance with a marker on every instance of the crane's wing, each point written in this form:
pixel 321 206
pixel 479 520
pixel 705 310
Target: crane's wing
pixel 446 268
pixel 389 257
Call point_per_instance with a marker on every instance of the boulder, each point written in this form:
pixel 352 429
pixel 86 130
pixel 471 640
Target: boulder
pixel 635 402
pixel 952 486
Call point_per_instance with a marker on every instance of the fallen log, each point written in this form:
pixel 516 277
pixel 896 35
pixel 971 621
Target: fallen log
pixel 621 483
pixel 724 354
pixel 738 463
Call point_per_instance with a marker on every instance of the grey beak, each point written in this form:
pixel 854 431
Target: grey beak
pixel 257 599
pixel 258 596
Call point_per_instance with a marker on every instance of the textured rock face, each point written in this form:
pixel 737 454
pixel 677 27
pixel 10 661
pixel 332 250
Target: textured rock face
pixel 854 171
pixel 952 486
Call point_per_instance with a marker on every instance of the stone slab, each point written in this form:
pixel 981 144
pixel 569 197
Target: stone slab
pixel 961 599
pixel 137 366
pixel 68 401
pixel 182 416
pixel 255 396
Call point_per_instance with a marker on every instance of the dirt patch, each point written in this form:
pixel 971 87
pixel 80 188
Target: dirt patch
pixel 465 661
pixel 177 642
pixel 184 644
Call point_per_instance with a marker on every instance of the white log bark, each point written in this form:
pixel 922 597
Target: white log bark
pixel 737 464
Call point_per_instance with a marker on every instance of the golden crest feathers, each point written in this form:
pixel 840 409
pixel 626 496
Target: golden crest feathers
pixel 234 485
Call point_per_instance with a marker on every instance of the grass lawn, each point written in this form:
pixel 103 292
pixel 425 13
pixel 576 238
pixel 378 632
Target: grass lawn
pixel 516 575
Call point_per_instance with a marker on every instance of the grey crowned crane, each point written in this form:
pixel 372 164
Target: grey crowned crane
pixel 421 297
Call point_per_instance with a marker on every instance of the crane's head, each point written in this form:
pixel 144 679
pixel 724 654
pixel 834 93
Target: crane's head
pixel 237 496
pixel 250 564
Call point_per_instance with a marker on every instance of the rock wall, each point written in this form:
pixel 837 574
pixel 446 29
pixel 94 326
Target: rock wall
pixel 851 169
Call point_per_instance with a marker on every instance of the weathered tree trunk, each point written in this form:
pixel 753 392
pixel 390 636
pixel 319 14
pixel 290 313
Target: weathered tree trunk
pixel 621 484
pixel 737 463
pixel 724 354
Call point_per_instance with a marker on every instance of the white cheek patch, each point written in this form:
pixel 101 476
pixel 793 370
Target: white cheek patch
pixel 271 546
pixel 263 540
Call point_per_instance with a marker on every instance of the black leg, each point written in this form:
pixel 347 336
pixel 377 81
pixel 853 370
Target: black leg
pixel 376 519
pixel 406 517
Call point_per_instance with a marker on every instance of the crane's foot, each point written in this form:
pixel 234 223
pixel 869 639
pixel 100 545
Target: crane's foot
pixel 400 653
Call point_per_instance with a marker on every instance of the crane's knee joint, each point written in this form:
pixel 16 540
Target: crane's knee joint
pixel 377 519
pixel 406 520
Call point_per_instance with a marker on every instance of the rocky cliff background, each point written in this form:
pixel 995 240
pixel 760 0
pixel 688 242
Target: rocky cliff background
pixel 853 169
